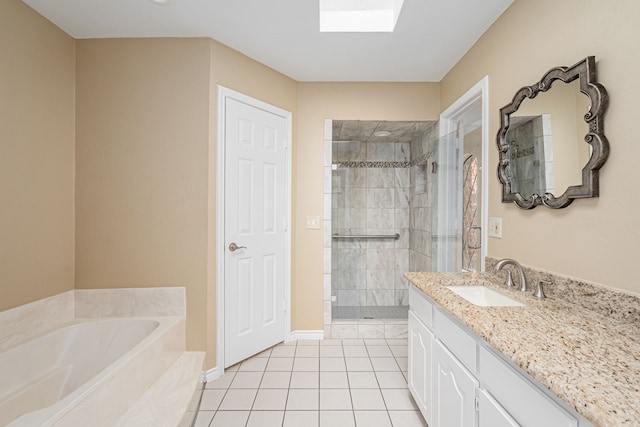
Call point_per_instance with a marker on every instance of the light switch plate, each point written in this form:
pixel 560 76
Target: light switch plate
pixel 313 222
pixel 495 227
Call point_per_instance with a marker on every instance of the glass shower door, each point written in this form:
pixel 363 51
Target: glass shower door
pixel 348 266
pixel 456 206
pixel 446 188
pixel 370 223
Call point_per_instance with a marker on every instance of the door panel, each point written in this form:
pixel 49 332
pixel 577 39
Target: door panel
pixel 244 295
pixel 420 381
pixel 245 197
pixel 269 302
pixel 255 179
pixel 270 193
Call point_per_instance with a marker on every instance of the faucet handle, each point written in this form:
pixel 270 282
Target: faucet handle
pixel 539 291
pixel 509 280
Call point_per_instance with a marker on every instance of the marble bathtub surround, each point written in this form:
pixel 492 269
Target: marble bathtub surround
pixel 577 347
pixel 21 323
pixel 30 320
pixel 173 389
pixel 122 387
pixel 158 369
pixel 131 302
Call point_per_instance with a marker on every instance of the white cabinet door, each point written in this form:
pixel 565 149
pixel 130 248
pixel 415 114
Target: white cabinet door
pixel 420 365
pixel 491 414
pixel 454 391
pixel 524 401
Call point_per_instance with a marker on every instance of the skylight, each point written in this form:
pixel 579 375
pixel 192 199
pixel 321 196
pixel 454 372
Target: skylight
pixel 359 16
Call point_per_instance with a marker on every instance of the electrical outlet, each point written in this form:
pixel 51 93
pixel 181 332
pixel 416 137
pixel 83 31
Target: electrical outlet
pixel 495 227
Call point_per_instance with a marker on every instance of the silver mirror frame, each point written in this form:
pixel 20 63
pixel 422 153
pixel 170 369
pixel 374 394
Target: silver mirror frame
pixel 584 70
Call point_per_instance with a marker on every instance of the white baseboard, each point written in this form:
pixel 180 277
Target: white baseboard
pixel 211 374
pixel 306 335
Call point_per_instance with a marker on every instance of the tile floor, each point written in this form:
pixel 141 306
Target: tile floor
pixel 337 383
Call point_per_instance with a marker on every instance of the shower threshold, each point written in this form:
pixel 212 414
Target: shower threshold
pixel 369 312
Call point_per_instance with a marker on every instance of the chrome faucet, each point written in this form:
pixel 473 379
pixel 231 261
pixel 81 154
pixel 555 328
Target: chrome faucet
pixel 524 287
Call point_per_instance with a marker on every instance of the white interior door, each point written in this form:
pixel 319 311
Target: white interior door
pixel 254 230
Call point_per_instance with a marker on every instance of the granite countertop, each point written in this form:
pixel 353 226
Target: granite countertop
pixel 589 360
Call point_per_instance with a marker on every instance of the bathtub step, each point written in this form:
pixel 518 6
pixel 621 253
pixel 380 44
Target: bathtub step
pixel 165 402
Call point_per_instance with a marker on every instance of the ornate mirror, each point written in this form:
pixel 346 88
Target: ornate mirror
pixel 551 139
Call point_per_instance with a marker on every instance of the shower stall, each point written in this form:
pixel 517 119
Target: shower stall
pixel 380 215
pixel 402 198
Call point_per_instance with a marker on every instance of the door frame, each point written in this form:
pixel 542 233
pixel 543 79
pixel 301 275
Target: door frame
pixel 224 94
pixel 479 92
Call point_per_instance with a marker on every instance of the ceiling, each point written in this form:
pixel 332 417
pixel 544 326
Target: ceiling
pixel 364 130
pixel 430 36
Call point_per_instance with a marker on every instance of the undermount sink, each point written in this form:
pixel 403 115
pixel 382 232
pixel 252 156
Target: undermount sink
pixel 484 297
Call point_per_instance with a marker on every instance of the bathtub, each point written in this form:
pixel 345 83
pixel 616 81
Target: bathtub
pixel 86 373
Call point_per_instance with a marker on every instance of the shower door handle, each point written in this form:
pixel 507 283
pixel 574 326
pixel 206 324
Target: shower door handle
pixel 233 247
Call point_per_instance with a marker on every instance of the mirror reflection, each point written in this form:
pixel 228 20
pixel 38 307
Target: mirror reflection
pixel 546 146
pixel 551 140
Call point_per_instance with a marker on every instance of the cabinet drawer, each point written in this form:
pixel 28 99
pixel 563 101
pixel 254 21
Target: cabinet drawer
pixel 524 401
pixel 459 341
pixel 420 306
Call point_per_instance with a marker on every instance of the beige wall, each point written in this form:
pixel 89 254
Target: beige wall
pixel 36 156
pixel 143 136
pixel 146 173
pixel 592 239
pixel 340 101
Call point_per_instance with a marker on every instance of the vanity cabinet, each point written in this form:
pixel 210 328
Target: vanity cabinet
pixel 458 380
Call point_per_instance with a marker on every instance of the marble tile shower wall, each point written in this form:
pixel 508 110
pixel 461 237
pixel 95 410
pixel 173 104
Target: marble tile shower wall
pixel 370 200
pixel 421 180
